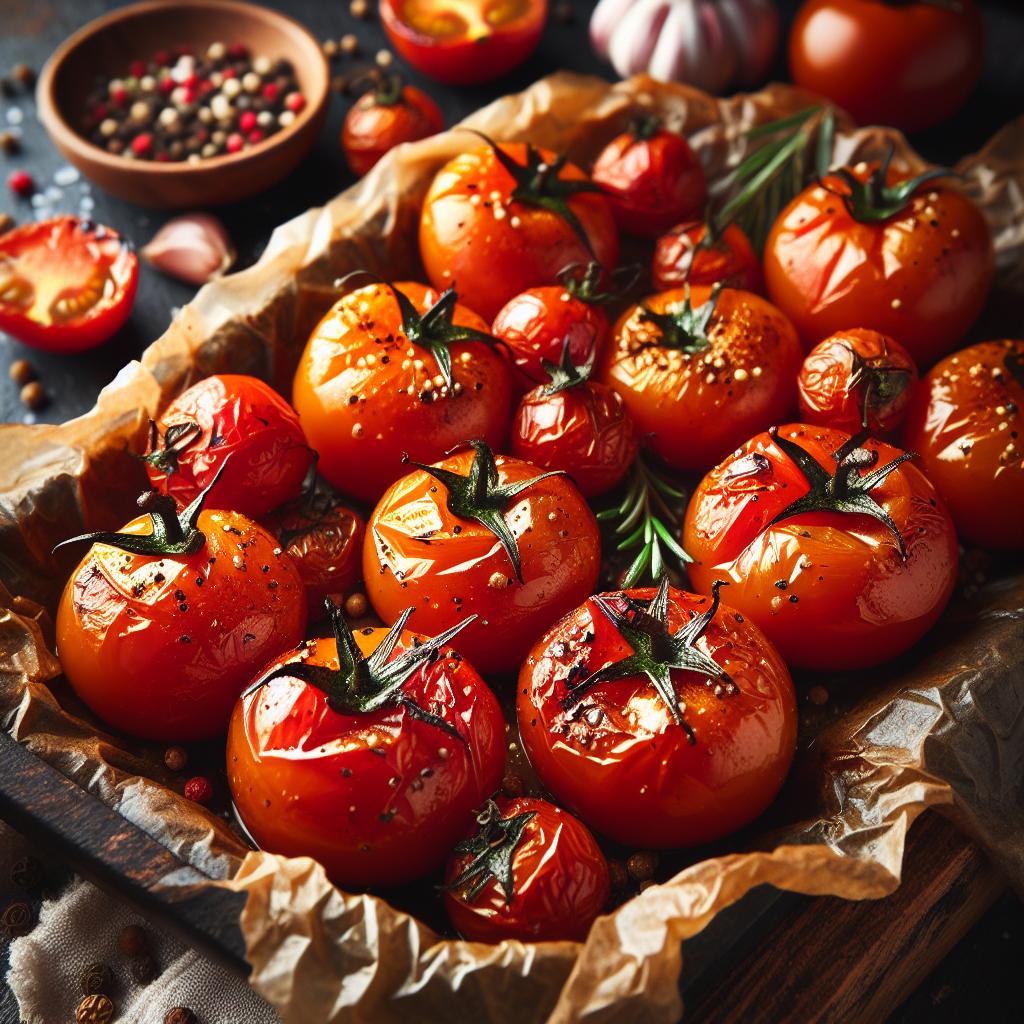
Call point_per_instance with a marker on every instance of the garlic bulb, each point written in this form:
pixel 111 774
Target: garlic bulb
pixel 708 43
pixel 194 248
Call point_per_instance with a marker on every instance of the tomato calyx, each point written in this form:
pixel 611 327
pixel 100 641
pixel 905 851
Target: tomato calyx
pixel 644 127
pixel 656 652
pixel 566 374
pixel 178 437
pixel 387 87
pixel 882 384
pixel 845 490
pixel 685 329
pixel 586 286
pixel 493 852
pixel 480 497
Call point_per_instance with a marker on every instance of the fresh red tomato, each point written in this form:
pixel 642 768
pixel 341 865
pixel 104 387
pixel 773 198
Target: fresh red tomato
pixel 652 177
pixel 395 369
pixel 368 752
pixel 966 423
pixel 688 255
pixel 857 380
pixel 233 423
pixel 906 64
pixel 385 116
pixel 661 718
pixel 463 42
pixel 530 871
pixel 909 257
pixel 491 536
pixel 65 284
pixel 162 625
pixel 503 218
pixel 701 369
pixel 838 549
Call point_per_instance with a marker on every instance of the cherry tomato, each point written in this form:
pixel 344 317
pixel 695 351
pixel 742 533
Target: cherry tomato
pixel 556 876
pixel 160 641
pixel 966 424
pixel 65 284
pixel 371 769
pixel 682 761
pixel 236 423
pixel 910 65
pixel 685 255
pixel 653 178
pixel 427 545
pixel 500 219
pixel 463 42
pixel 702 374
pixel 371 384
pixel 385 117
pixel 851 252
pixel 857 380
pixel 833 586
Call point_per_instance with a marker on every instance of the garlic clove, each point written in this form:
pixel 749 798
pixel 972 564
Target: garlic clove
pixel 194 247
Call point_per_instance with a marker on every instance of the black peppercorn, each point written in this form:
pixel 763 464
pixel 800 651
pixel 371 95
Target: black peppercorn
pixel 97 980
pixel 26 873
pixel 17 919
pixel 642 865
pixel 144 969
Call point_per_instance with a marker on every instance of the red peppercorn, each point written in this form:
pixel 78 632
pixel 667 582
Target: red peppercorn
pixel 247 121
pixel 21 183
pixel 295 101
pixel 142 143
pixel 229 73
pixel 99 112
pixel 199 790
pixel 255 136
pixel 162 57
pixel 166 85
pixel 234 143
pixel 270 91
pixel 119 96
pixel 238 51
pixel 137 68
pixel 190 81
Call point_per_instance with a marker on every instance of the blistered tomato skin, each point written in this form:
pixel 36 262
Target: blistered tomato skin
pixel 682 256
pixel 378 798
pixel 829 589
pixel 560 882
pixel 373 127
pixel 236 422
pixel 966 424
pixel 161 646
pixel 620 761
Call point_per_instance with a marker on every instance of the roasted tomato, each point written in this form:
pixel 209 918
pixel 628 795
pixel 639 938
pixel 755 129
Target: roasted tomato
pixel 531 871
pixel 394 369
pixel 464 43
pixel 910 65
pixel 577 425
pixel 500 219
pixel 836 547
pixel 233 423
pixel 652 178
pixel 661 718
pixel 910 257
pixel 65 284
pixel 484 535
pixel 689 254
pixel 162 625
pixel 385 116
pixel 367 752
pixel 701 370
pixel 966 423
pixel 856 380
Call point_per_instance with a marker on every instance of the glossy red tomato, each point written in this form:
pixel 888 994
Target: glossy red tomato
pixel 500 219
pixel 701 376
pixel 832 588
pixel 653 178
pixel 530 871
pixel 462 42
pixel 235 423
pixel 857 380
pixel 371 768
pixel 682 761
pixel 966 423
pixel 371 384
pixel 853 253
pixel 685 255
pixel 910 65
pixel 159 643
pixel 66 284
pixel 427 545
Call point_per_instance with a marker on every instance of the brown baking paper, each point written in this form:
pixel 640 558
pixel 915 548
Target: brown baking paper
pixel 943 727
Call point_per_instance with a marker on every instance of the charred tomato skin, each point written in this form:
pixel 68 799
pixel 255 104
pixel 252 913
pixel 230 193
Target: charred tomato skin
pixel 829 589
pixel 161 646
pixel 560 882
pixel 966 424
pixel 240 421
pixel 623 765
pixel 377 798
pixel 372 128
pixel 681 258
pixel 418 553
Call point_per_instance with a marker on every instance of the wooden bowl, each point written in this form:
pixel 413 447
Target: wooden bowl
pixel 110 43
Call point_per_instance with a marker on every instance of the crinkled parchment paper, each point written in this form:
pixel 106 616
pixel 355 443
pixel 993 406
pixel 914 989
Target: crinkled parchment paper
pixel 944 727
